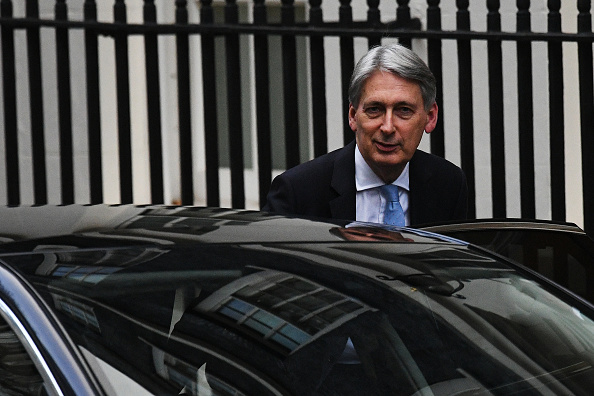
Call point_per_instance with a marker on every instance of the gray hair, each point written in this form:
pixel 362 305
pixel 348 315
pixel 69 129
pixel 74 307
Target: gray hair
pixel 396 59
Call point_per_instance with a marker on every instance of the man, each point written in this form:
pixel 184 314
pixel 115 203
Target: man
pixel 392 102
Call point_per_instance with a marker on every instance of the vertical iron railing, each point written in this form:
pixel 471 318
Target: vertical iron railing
pixel 435 63
pixel 93 105
pixel 347 61
pixel 234 113
pixel 262 81
pixel 373 21
pixel 556 116
pixel 184 105
pixel 123 102
pixel 36 107
pixel 466 104
pixel 526 115
pixel 497 139
pixel 153 95
pixel 291 102
pixel 209 105
pixel 346 29
pixel 64 104
pixel 318 83
pixel 586 111
pixel 403 17
pixel 9 101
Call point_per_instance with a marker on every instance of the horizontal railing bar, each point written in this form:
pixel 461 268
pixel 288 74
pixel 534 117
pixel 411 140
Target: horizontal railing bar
pixel 358 29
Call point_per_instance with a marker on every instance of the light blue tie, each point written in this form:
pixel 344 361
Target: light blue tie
pixel 393 213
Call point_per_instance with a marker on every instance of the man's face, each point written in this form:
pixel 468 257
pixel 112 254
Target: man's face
pixel 389 123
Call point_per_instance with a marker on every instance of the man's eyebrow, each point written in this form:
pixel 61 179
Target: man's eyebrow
pixel 383 104
pixel 405 103
pixel 373 103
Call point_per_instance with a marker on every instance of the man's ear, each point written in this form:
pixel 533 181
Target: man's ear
pixel 431 118
pixel 352 117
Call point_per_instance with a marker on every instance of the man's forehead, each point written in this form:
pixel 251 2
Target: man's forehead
pixel 384 83
pixel 385 96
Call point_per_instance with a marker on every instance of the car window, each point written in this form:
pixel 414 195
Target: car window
pixel 565 258
pixel 18 373
pixel 316 319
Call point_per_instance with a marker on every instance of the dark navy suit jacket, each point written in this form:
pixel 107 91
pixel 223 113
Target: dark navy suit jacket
pixel 325 187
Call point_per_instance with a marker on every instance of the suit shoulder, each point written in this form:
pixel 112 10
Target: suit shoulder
pixel 322 165
pixel 434 162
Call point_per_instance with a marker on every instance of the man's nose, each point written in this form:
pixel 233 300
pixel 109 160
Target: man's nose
pixel 387 122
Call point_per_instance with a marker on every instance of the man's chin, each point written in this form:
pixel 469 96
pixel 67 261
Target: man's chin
pixel 388 164
pixel 393 158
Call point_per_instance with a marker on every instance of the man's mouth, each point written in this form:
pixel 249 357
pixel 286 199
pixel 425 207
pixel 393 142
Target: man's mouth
pixel 387 147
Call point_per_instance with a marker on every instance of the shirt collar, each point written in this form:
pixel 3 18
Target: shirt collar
pixel 366 179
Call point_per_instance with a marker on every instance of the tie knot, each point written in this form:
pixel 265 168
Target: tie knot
pixel 390 192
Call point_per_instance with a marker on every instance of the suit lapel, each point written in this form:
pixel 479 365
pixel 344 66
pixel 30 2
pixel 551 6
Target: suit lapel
pixel 343 183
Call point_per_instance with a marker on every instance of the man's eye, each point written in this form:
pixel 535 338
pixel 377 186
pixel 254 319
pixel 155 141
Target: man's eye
pixel 372 110
pixel 405 111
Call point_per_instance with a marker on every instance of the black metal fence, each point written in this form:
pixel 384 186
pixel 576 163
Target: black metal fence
pixel 315 29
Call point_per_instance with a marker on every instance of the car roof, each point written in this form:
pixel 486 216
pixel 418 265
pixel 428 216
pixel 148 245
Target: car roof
pixel 504 224
pixel 176 224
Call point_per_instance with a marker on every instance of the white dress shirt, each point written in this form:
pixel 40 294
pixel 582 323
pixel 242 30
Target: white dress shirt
pixel 370 203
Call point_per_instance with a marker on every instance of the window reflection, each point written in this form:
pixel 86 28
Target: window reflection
pixel 189 378
pixel 93 266
pixel 282 309
pixel 18 374
pixel 80 312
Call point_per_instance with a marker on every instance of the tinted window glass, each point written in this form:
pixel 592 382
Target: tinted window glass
pixel 567 259
pixel 18 374
pixel 319 319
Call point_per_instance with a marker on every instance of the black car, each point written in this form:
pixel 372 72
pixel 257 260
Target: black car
pixel 132 300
